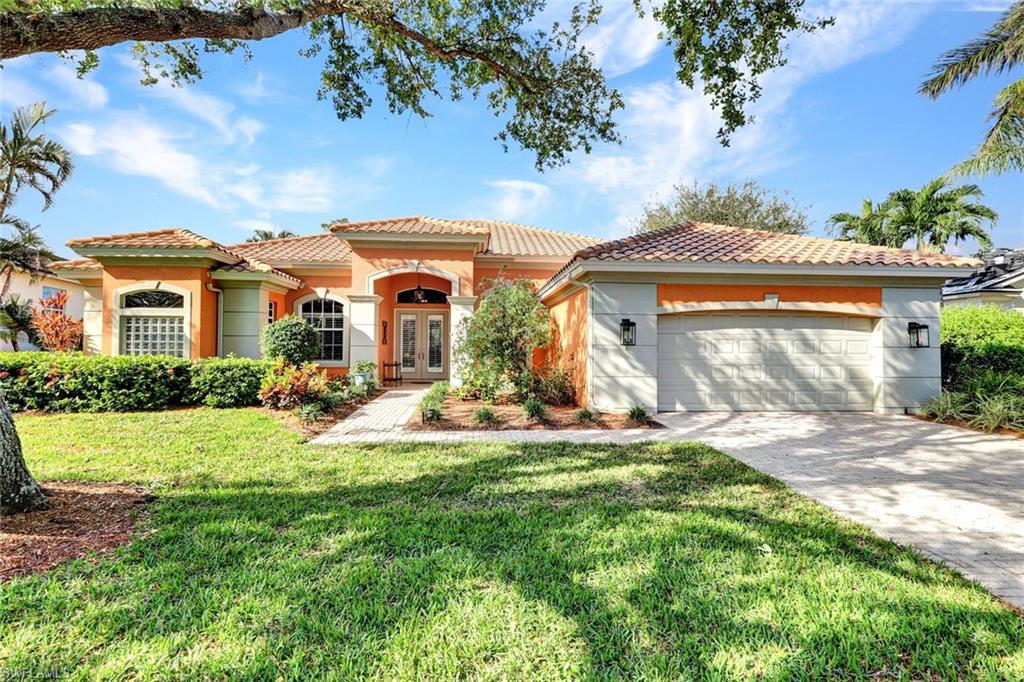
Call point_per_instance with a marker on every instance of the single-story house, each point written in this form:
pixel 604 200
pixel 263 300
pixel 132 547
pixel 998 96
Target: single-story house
pixel 44 286
pixel 692 317
pixel 999 282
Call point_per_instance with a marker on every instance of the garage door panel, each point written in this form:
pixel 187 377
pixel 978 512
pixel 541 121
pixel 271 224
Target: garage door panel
pixel 759 362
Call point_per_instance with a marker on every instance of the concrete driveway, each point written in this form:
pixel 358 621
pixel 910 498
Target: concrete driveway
pixel 954 494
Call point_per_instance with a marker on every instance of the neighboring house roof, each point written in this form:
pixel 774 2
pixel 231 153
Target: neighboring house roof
pixel 720 243
pixel 76 264
pixel 313 248
pixel 1003 272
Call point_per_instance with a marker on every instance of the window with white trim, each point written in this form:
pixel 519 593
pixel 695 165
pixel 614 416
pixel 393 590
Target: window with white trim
pixel 271 312
pixel 328 316
pixel 153 323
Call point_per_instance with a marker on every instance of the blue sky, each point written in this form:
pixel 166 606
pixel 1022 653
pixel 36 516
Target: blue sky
pixel 249 146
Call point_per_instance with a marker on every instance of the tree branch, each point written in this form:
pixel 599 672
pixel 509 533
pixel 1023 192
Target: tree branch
pixel 93 28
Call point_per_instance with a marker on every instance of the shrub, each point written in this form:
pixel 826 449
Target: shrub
pixel 56 331
pixel 584 416
pixel 286 386
pixel 998 411
pixel 555 387
pixel 433 400
pixel 310 412
pixel 228 382
pixel 534 409
pixel 485 416
pixel 979 338
pixel 947 406
pixel 496 343
pixel 639 414
pixel 291 338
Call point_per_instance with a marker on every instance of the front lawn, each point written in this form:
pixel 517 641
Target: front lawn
pixel 265 558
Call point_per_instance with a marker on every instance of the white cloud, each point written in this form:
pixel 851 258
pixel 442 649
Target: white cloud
pixel 86 93
pixel 253 224
pixel 670 131
pixel 216 112
pixel 517 199
pixel 623 41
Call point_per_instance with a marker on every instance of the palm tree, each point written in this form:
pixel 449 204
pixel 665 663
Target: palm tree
pixel 262 235
pixel 30 159
pixel 1000 49
pixel 872 226
pixel 16 318
pixel 938 213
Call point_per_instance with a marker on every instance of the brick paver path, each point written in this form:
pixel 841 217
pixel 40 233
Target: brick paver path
pixel 954 494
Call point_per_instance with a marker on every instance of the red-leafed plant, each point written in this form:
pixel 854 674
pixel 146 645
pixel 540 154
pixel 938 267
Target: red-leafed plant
pixel 57 331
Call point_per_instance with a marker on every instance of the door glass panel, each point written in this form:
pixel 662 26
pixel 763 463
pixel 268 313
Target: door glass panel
pixel 435 343
pixel 409 342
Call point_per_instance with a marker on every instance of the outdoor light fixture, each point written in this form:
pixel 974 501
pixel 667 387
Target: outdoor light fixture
pixel 627 332
pixel 384 332
pixel 419 296
pixel 918 335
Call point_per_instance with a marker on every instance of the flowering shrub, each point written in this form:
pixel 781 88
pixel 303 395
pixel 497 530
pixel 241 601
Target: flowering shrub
pixel 55 329
pixel 288 386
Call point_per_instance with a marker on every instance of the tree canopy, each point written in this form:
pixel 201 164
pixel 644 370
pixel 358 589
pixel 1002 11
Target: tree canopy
pixel 534 72
pixel 998 50
pixel 742 205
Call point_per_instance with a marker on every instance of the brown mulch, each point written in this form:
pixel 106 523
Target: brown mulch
pixel 82 518
pixel 964 425
pixel 456 415
pixel 292 422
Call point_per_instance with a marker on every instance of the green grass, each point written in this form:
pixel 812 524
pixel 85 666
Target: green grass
pixel 265 558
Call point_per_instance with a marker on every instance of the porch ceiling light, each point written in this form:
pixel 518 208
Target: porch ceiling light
pixel 918 335
pixel 627 332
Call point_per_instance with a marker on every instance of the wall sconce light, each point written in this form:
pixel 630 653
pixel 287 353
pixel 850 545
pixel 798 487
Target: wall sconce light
pixel 918 335
pixel 384 332
pixel 627 332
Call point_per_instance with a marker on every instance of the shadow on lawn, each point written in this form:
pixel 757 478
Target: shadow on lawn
pixel 640 561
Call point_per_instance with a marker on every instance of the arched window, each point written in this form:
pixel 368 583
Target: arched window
pixel 328 316
pixel 421 295
pixel 153 323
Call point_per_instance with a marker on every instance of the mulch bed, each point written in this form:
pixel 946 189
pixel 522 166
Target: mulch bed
pixel 82 518
pixel 456 415
pixel 311 431
pixel 964 425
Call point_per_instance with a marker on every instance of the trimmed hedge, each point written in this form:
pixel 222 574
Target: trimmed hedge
pixel 980 338
pixel 73 382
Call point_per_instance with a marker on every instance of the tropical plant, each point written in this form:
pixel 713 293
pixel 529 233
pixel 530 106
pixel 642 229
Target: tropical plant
pixel 56 331
pixel 639 414
pixel 287 386
pixel 534 409
pixel 998 50
pixel 16 319
pixel 497 342
pixel 19 491
pixel 584 416
pixel 265 235
pixel 743 205
pixel 538 74
pixel 870 226
pixel 24 250
pixel 937 213
pixel 485 416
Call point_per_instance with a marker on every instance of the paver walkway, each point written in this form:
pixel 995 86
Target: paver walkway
pixel 954 494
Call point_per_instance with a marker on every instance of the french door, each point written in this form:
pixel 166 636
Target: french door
pixel 422 346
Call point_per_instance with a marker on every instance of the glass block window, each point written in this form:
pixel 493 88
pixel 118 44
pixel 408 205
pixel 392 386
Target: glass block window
pixel 329 318
pixel 153 335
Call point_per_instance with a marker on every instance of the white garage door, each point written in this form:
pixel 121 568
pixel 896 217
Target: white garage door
pixel 763 362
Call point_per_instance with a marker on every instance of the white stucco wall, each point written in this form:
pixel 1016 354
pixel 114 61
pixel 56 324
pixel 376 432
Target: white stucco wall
pixel 906 377
pixel 26 289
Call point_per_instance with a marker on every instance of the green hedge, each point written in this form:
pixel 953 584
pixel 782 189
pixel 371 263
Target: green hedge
pixel 976 339
pixel 92 383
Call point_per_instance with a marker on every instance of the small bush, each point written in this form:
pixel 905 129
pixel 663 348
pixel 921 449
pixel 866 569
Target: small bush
pixel 228 382
pixel 534 409
pixel 997 412
pixel 639 414
pixel 433 400
pixel 584 416
pixel 291 338
pixel 287 386
pixel 947 406
pixel 311 412
pixel 555 387
pixel 485 416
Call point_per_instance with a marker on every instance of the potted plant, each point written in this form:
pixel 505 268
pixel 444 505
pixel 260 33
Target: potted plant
pixel 363 372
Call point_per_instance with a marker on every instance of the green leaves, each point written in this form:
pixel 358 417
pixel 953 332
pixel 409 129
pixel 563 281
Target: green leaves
pixel 743 205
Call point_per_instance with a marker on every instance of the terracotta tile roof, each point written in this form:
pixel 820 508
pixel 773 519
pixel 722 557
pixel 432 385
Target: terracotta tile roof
pixel 174 238
pixel 412 225
pixel 255 266
pixel 76 264
pixel 313 248
pixel 513 239
pixel 720 243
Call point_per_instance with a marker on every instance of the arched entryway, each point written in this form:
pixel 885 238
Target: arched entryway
pixel 415 323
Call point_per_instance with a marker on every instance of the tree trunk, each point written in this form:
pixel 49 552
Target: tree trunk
pixel 19 492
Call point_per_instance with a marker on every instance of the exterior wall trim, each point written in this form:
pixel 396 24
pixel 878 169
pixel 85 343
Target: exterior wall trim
pixel 783 306
pixel 413 266
pixel 115 331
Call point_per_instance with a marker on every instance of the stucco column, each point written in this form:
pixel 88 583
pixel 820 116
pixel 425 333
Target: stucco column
pixel 363 320
pixel 461 308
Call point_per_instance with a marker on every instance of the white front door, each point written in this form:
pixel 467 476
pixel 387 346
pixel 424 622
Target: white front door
pixel 422 348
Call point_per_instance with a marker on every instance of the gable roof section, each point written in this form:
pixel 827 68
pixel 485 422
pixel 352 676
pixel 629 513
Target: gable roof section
pixel 313 248
pixel 76 264
pixel 418 225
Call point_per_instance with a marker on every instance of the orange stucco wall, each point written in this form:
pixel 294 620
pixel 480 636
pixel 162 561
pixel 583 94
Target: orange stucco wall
pixel 669 294
pixel 568 348
pixel 388 288
pixel 202 326
pixel 282 302
pixel 366 261
pixel 538 276
pixel 339 284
